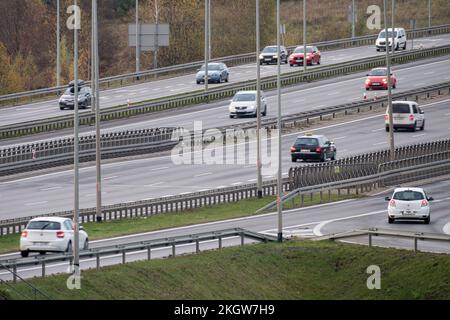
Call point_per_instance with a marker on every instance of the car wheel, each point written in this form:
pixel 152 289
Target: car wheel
pixel 231 116
pixel 322 157
pixel 378 50
pixel 227 78
pixel 414 128
pixel 394 85
pixel 387 128
pixel 404 47
pixel 24 253
pixel 42 252
pixel 397 47
pixel 61 108
pixel 334 156
pixel 86 244
pixel 391 220
pixel 265 112
pixel 198 82
pixel 427 220
pixel 291 64
pixel 293 159
pixel 423 126
pixel 318 61
pixel 367 89
pixel 69 247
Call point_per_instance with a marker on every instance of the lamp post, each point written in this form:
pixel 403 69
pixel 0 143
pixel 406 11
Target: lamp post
pixel 138 53
pixel 305 61
pixel 206 42
pixel 58 45
pixel 388 67
pixel 258 108
pixel 279 179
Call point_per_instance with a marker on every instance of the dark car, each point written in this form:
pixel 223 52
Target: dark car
pixel 217 72
pixel 313 147
pixel 270 55
pixel 84 96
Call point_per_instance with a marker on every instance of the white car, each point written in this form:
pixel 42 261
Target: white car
pixel 406 115
pixel 244 104
pixel 399 39
pixel 409 204
pixel 50 234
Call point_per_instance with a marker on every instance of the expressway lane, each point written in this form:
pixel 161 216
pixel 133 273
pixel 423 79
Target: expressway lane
pixel 183 84
pixel 295 99
pixel 342 216
pixel 155 177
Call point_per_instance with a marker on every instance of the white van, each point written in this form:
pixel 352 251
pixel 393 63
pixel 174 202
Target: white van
pixel 399 39
pixel 406 115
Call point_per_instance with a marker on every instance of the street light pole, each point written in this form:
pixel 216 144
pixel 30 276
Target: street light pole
pixel 138 53
pixel 353 18
pixel 58 45
pixel 206 42
pixel 155 60
pixel 76 244
pixel 96 106
pixel 279 180
pixel 258 108
pixel 429 13
pixel 388 67
pixel 209 31
pixel 393 26
pixel 305 61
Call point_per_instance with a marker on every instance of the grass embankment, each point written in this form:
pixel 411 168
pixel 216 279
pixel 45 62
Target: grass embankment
pixel 291 270
pixel 106 229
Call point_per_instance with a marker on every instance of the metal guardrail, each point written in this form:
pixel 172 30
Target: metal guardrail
pixel 231 60
pixel 200 96
pixel 374 232
pixel 361 184
pixel 123 249
pixel 35 156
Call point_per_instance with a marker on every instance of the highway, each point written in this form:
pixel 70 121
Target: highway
pixel 183 84
pixel 314 221
pixel 132 180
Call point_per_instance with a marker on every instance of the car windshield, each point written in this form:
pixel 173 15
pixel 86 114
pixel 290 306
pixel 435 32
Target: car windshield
pixel 245 97
pixel 378 72
pixel 408 195
pixel 270 50
pixel 70 91
pixel 400 108
pixel 383 34
pixel 306 142
pixel 44 225
pixel 211 67
pixel 300 50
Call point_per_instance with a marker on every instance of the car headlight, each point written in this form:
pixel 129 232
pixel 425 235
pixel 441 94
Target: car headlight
pixel 261 56
pixel 367 81
pixel 251 107
pixel 232 108
pixel 275 56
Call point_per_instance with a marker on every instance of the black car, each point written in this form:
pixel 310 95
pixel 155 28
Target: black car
pixel 270 55
pixel 84 96
pixel 314 147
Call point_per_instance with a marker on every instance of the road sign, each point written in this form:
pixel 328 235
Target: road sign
pixel 151 37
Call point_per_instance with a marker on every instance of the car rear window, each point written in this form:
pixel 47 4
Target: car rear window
pixel 44 225
pixel 400 108
pixel 306 142
pixel 408 195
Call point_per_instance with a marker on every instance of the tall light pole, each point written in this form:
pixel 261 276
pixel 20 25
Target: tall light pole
pixel 258 108
pixel 305 61
pixel 393 26
pixel 96 107
pixel 279 180
pixel 206 42
pixel 138 53
pixel 155 60
pixel 388 67
pixel 429 13
pixel 76 245
pixel 58 45
pixel 353 19
pixel 209 26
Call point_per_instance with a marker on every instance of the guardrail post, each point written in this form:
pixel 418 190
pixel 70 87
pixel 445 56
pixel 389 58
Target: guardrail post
pixel 43 268
pixel 197 246
pixel 123 256
pixel 149 253
pixel 97 258
pixel 173 249
pixel 370 239
pixel 220 242
pixel 415 244
pixel 14 273
pixel 242 238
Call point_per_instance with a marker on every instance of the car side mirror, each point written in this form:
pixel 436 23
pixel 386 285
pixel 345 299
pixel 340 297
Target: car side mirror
pixel 421 112
pixel 387 199
pixel 367 75
pixel 430 198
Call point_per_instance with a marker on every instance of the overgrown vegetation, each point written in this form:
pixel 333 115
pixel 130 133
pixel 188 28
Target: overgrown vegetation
pixel 28 37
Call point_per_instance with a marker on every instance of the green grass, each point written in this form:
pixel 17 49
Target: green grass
pixel 10 243
pixel 292 270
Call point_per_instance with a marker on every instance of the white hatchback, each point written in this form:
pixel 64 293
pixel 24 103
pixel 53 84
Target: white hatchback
pixel 50 234
pixel 409 204
pixel 406 115
pixel 244 103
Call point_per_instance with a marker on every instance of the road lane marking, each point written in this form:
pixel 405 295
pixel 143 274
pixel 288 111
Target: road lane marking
pixel 376 130
pixel 50 188
pixel 203 174
pixel 446 228
pixel 154 184
pixel 379 143
pixel 317 229
pixel 419 135
pixel 160 168
pixel 110 177
pixel 35 203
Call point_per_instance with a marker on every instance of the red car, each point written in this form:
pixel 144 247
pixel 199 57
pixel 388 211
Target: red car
pixel 377 79
pixel 312 56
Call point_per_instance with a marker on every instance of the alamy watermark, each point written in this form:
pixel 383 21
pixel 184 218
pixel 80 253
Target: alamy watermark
pixel 374 280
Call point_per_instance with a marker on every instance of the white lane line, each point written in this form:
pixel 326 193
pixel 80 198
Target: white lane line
pixel 379 143
pixel 419 135
pixel 184 193
pixel 319 107
pixel 35 203
pixel 381 192
pixel 446 228
pixel 203 174
pixel 376 130
pixel 236 183
pixel 333 93
pixel 110 177
pixel 428 73
pixel 252 180
pixel 154 184
pixel 50 188
pixel 447 114
pixel 339 138
pixel 202 190
pixel 160 168
pixel 317 228
pixel 219 187
pixel 167 195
